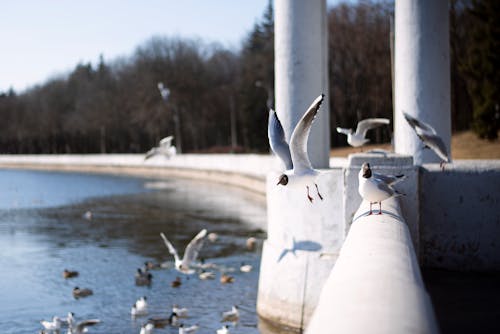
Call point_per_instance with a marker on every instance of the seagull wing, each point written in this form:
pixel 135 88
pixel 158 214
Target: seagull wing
pixel 381 185
pixel 171 248
pixel 300 135
pixel 368 124
pixel 277 140
pixel 193 248
pixel 389 179
pixel 344 131
pixel 166 142
pixel 152 152
pixel 419 126
pixel 437 145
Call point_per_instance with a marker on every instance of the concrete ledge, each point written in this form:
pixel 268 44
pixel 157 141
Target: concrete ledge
pixel 375 285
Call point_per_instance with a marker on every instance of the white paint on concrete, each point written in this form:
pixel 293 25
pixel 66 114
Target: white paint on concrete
pixel 422 74
pixel 375 285
pixel 290 276
pixel 301 70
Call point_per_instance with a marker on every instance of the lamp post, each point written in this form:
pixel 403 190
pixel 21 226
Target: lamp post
pixel 165 93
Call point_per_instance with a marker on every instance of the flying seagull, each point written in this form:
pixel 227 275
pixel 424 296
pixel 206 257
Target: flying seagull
pixel 357 138
pixel 190 254
pixel 81 327
pixel 299 171
pixel 164 148
pixel 429 137
pixel 373 189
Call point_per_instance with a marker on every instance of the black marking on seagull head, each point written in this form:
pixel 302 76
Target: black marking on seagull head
pixel 283 180
pixel 367 172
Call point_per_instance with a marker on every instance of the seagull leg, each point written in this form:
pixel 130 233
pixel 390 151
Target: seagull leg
pixel 309 196
pixel 379 208
pixel 370 209
pixel 320 197
pixel 441 164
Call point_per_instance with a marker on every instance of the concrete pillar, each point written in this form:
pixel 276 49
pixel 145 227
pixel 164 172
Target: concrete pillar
pixel 422 74
pixel 301 70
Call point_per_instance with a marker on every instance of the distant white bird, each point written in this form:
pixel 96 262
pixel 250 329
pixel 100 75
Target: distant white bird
pixel 164 148
pixel 232 315
pixel 140 307
pixel 87 215
pixel 204 275
pixel 53 325
pixel 223 330
pixel 181 312
pixel 246 268
pixel 429 137
pixel 251 243
pixel 81 327
pixel 299 172
pixel 190 253
pixel 372 189
pixel 358 138
pixel 187 330
pixel 70 319
pixel 147 328
pixel 212 237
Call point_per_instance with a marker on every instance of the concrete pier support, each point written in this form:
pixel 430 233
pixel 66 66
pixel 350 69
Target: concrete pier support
pixel 422 74
pixel 376 285
pixel 301 70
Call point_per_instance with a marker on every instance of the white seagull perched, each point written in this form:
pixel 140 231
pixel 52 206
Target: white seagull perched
pixel 429 137
pixel 147 328
pixel 299 171
pixel 140 307
pixel 358 138
pixel 187 330
pixel 53 325
pixel 165 148
pixel 373 189
pixel 190 253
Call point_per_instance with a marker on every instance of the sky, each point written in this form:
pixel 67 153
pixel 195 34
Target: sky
pixel 41 39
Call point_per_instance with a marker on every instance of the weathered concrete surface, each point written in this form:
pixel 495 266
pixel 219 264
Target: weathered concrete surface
pixel 422 74
pixel 303 242
pixel 375 285
pixel 460 215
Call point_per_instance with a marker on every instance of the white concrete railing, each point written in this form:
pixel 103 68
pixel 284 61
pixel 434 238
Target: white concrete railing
pixel 375 285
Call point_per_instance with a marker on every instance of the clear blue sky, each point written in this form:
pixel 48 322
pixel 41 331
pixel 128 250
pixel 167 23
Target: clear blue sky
pixel 43 38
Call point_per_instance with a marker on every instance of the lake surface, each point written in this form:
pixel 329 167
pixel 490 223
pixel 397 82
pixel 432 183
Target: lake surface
pixel 43 231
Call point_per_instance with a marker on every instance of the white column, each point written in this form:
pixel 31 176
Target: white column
pixel 301 70
pixel 422 74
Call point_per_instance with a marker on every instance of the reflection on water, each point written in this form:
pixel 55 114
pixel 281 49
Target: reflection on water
pixel 43 231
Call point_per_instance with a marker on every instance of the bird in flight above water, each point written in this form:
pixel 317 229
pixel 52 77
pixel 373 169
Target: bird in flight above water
pixel 164 148
pixel 358 138
pixel 299 171
pixel 190 253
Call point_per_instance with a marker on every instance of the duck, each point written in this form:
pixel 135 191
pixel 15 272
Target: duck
pixel 69 273
pixel 143 277
pixel 158 322
pixel 176 283
pixel 79 293
pixel 224 278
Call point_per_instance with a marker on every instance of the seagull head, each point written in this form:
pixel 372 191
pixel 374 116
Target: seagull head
pixel 283 180
pixel 367 172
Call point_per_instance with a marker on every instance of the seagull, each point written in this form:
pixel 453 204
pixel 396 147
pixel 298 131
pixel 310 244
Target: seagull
pixel 147 328
pixel 223 330
pixel 139 308
pixel 53 325
pixel 212 237
pixel 251 243
pixel 187 330
pixel 356 139
pixel 231 316
pixel 204 275
pixel 190 253
pixel 429 137
pixel 246 268
pixel 299 171
pixel 81 327
pixel 69 273
pixel 372 189
pixel 164 148
pixel 181 312
pixel 78 293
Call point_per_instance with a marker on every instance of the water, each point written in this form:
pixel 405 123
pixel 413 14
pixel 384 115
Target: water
pixel 43 231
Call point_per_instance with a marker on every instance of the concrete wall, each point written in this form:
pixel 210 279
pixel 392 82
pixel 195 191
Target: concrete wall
pixel 460 215
pixel 375 286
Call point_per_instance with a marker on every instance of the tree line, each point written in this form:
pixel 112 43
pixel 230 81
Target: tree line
pixel 222 95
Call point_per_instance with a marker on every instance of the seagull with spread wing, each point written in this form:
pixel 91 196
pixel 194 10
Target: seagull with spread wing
pixel 299 171
pixel 164 148
pixel 190 253
pixel 358 138
pixel 429 137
